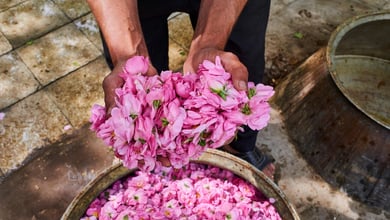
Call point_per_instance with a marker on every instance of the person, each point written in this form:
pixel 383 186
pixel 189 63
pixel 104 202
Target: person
pixel 233 30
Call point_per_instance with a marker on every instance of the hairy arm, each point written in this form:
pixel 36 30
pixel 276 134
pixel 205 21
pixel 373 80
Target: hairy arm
pixel 119 22
pixel 215 23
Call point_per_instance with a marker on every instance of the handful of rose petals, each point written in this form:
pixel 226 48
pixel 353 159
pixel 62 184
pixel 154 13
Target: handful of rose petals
pixel 177 115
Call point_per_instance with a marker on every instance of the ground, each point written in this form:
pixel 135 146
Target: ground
pixel 51 68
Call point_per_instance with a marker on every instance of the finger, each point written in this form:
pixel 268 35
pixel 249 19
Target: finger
pixel 240 78
pixel 110 83
pixel 151 71
pixel 237 70
pixel 188 68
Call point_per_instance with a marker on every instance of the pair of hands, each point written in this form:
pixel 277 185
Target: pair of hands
pixel 230 62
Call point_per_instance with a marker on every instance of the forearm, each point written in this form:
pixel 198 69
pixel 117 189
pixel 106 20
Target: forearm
pixel 119 22
pixel 215 23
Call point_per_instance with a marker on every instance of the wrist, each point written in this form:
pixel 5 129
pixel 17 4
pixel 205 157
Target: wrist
pixel 215 23
pixel 121 28
pixel 121 50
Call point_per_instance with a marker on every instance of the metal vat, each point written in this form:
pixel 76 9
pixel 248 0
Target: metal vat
pixel 336 108
pixel 212 157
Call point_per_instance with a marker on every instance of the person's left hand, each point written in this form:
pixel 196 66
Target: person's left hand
pixel 230 62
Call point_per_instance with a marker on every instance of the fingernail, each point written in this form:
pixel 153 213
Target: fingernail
pixel 241 85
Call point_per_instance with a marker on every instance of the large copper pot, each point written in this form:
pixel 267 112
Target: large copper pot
pixel 336 107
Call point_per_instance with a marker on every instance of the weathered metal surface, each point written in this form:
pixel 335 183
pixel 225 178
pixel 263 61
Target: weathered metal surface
pixel 212 157
pixel 336 108
pixel 365 81
pixel 348 149
pixel 358 57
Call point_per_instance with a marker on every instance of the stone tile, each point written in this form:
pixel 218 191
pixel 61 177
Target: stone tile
pixel 177 56
pixel 73 8
pixel 47 184
pixel 16 81
pixel 4 5
pixel 58 53
pixel 5 46
pixel 180 30
pixel 314 21
pixel 280 39
pixel 89 27
pixel 386 6
pixel 76 93
pixel 27 126
pixel 277 7
pixel 287 2
pixel 377 4
pixel 30 20
pixel 319 10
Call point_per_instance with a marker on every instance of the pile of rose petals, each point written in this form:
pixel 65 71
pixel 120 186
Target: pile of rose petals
pixel 193 192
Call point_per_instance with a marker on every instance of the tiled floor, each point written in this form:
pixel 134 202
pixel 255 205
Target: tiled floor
pixel 51 72
pixel 51 69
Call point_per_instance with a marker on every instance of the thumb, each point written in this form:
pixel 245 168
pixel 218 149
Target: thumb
pixel 239 76
pixel 151 70
pixel 240 84
pixel 110 83
pixel 237 69
pixel 187 67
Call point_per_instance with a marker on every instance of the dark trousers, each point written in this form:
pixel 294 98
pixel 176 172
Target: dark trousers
pixel 247 41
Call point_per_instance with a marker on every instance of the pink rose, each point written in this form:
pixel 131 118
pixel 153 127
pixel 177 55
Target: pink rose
pixel 136 65
pixel 98 115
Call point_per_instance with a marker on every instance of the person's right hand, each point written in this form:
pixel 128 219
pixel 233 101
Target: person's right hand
pixel 230 62
pixel 113 81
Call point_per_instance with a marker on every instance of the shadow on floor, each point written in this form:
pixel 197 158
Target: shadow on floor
pixel 44 187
